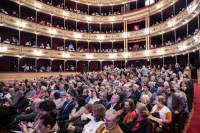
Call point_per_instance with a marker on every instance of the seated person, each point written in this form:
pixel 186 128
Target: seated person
pixel 30 91
pixel 158 93
pixel 6 41
pixel 145 100
pixel 32 115
pixel 66 108
pixel 141 123
pixel 160 113
pixel 28 43
pixel 136 92
pixel 111 123
pixel 48 47
pixel 140 48
pixel 185 88
pixel 103 100
pixel 114 103
pixel 127 114
pixel 145 90
pixel 119 92
pixel 129 95
pixel 76 125
pixel 42 45
pixel 93 97
pixel 63 96
pixel 45 107
pixel 71 46
pixel 174 103
pixel 99 113
pixel 152 47
pixel 34 44
pixel 12 109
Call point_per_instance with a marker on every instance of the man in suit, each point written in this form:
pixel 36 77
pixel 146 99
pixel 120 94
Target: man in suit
pixel 67 108
pixel 129 95
pixel 174 103
pixel 113 104
pixel 111 123
pixel 136 92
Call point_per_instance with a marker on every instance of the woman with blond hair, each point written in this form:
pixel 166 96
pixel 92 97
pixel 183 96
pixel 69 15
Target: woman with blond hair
pixel 140 124
pixel 99 112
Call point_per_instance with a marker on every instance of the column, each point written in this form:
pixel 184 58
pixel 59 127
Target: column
pixel 124 7
pixel 88 9
pixel 88 66
pixel 64 4
pixel 100 65
pixel 113 64
pixel 100 27
pixel 64 44
pixel 161 15
pixel 126 25
pixel 124 45
pixel 187 29
pixel 112 45
pixel 125 63
pixel 36 64
pixel 163 39
pixel 19 10
pixel 175 35
pixel 186 4
pixel 112 9
pixel 174 10
pixel 136 4
pixel 100 10
pixel 64 66
pixel 76 65
pixel 76 6
pixel 36 38
pixel 188 58
pixel 100 47
pixel 19 36
pixel 150 62
pixel 112 27
pixel 36 16
pixel 198 21
pixel 163 61
pixel 76 25
pixel 51 64
pixel 176 58
pixel 51 19
pixel 18 63
pixel 88 46
pixel 76 44
pixel 51 42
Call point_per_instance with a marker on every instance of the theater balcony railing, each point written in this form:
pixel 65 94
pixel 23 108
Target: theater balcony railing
pixel 131 15
pixel 177 21
pixel 189 45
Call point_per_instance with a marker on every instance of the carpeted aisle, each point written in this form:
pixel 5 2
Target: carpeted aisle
pixel 194 126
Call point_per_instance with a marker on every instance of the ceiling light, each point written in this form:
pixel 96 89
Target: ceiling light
pixel 146 30
pixel 53 32
pixel 21 24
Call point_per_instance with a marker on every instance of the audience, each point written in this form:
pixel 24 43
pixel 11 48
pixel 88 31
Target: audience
pixel 82 100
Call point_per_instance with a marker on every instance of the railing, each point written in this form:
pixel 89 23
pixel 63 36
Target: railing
pixel 175 22
pixel 189 44
pixel 132 15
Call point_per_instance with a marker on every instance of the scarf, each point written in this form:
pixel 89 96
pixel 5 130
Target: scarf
pixel 85 116
pixel 129 116
pixel 138 122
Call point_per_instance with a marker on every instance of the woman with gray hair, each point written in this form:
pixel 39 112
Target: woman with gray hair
pixel 145 100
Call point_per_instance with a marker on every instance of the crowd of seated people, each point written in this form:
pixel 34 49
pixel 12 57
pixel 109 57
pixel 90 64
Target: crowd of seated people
pixel 157 23
pixel 114 100
pixel 140 48
pixel 11 41
pixel 31 19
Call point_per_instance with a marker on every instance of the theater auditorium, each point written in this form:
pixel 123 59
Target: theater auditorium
pixel 99 66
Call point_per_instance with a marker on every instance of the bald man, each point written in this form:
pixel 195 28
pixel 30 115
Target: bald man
pixel 32 115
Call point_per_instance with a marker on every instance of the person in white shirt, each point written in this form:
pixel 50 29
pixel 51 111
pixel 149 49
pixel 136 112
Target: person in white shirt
pixel 28 43
pixel 93 97
pixel 48 47
pixel 42 45
pixel 99 112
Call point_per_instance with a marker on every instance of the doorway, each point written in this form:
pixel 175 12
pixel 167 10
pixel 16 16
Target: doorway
pixel 85 67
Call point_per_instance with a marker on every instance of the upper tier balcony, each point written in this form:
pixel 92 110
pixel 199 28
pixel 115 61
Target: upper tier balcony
pixel 189 45
pixel 131 15
pixel 182 18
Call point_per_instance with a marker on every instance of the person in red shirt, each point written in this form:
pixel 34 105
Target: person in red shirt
pixel 127 76
pixel 152 47
pixel 41 22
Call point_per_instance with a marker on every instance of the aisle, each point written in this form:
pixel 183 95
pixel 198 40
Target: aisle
pixel 194 126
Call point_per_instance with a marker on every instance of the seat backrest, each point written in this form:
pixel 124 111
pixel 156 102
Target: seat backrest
pixel 153 127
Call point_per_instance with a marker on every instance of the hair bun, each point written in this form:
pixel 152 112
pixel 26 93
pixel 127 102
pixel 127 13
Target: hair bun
pixel 53 113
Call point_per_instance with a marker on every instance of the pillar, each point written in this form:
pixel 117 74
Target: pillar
pixel 36 64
